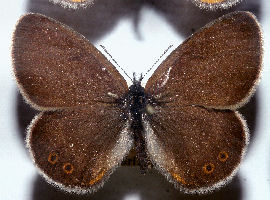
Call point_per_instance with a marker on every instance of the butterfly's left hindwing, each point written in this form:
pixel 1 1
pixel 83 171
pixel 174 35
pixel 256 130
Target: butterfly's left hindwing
pixel 195 148
pixel 77 150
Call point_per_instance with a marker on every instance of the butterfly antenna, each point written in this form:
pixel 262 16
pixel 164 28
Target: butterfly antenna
pixel 103 47
pixel 134 77
pixel 142 76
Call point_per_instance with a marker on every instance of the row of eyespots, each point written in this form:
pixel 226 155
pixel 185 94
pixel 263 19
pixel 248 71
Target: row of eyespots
pixel 68 168
pixel 208 168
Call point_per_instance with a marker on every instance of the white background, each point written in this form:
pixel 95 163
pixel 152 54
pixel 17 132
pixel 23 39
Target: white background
pixel 135 32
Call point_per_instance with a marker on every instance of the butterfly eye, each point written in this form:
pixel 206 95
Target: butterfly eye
pixel 53 158
pixel 208 168
pixel 68 168
pixel 99 177
pixel 223 156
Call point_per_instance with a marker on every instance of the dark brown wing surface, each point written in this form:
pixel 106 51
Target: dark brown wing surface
pixel 56 67
pixel 195 148
pixel 193 143
pixel 218 67
pixel 77 150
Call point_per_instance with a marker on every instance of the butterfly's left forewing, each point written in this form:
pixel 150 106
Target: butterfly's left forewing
pixel 195 148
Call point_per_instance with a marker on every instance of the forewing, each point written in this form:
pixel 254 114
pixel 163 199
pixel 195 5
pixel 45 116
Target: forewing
pixel 217 67
pixel 77 150
pixel 56 67
pixel 195 148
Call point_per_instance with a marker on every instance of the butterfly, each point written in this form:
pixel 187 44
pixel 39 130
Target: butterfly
pixel 184 121
pixel 204 4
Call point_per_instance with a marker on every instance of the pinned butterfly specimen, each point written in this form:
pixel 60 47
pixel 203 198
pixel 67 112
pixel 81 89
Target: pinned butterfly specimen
pixel 184 121
pixel 215 4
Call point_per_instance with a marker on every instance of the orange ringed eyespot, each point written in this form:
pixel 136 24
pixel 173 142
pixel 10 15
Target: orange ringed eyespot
pixel 208 168
pixel 223 156
pixel 53 158
pixel 68 168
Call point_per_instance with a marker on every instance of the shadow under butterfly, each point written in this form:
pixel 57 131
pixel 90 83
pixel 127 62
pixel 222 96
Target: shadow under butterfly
pixel 184 121
pixel 127 181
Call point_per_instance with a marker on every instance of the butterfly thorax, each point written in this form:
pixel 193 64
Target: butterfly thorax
pixel 136 102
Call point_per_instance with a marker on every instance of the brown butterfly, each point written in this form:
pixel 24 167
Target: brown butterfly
pixel 184 121
pixel 204 4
